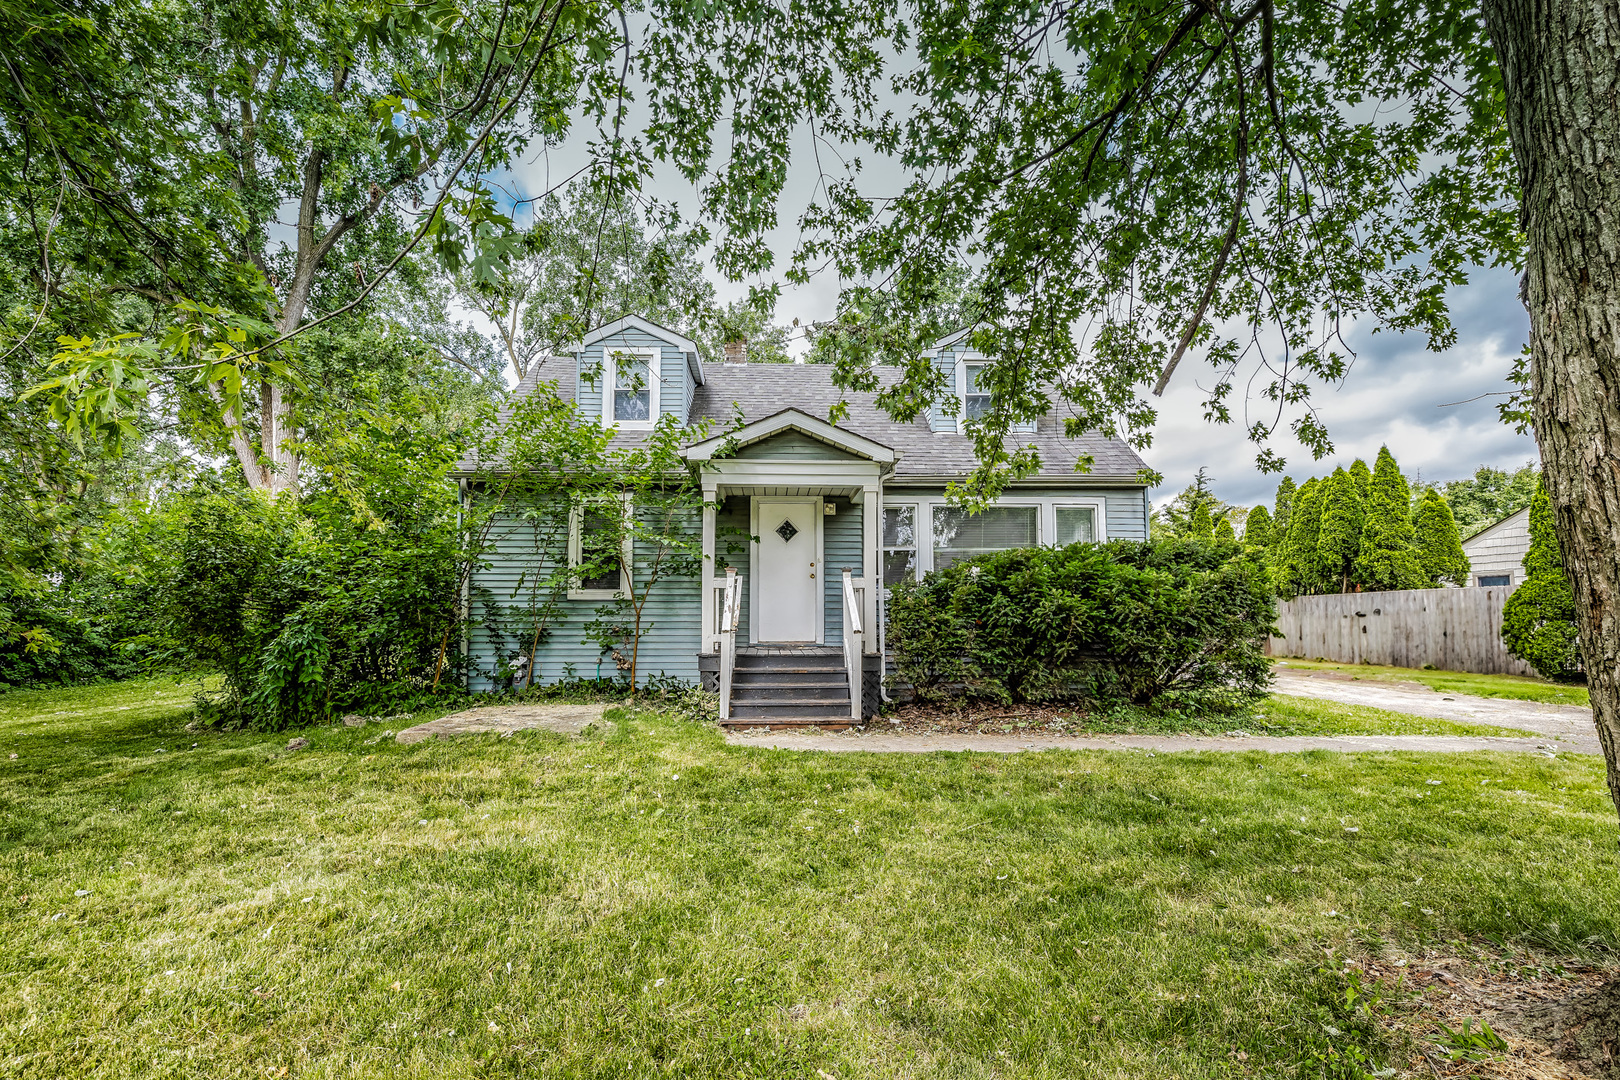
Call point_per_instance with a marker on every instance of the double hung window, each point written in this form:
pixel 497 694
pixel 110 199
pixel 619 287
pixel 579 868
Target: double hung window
pixel 899 544
pixel 599 550
pixel 632 389
pixel 975 399
pixel 1075 525
pixel 958 534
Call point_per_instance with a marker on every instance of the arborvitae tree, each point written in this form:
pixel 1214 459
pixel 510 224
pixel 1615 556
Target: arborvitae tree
pixel 1298 564
pixel 1439 546
pixel 1199 527
pixel 1339 540
pixel 1283 507
pixel 1388 559
pixel 1363 478
pixel 1257 533
pixel 1224 531
pixel 1538 621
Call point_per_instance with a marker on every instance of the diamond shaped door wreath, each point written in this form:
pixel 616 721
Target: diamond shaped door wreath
pixel 786 531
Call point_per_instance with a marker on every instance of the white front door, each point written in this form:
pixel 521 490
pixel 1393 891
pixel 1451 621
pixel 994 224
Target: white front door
pixel 787 580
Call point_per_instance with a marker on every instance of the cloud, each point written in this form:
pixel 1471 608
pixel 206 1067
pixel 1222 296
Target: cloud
pixel 1392 397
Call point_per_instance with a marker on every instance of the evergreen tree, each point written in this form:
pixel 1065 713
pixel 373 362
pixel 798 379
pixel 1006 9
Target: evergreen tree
pixel 1297 566
pixel 1439 546
pixel 1257 533
pixel 1199 527
pixel 1363 478
pixel 1339 540
pixel 1282 508
pixel 1388 557
pixel 1538 621
pixel 1224 531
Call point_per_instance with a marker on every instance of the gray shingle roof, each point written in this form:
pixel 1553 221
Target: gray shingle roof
pixel 762 390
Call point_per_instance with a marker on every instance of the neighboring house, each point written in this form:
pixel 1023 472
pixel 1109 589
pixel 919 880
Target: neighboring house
pixel 809 499
pixel 1496 553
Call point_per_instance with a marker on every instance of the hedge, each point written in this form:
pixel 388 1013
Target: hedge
pixel 1168 622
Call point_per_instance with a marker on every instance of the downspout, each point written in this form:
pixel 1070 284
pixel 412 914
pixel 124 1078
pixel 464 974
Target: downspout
pixel 466 582
pixel 882 601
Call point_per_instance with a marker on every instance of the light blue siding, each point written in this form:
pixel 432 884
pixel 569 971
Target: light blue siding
pixel 938 418
pixel 840 547
pixel 675 378
pixel 1127 515
pixel 503 596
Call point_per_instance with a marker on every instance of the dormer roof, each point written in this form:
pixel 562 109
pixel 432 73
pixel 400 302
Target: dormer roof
pixel 694 362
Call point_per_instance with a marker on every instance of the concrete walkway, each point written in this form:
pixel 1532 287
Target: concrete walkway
pixel 1569 725
pixel 1563 729
pixel 856 742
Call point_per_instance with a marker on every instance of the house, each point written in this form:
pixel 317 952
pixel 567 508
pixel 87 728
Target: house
pixel 830 516
pixel 1496 552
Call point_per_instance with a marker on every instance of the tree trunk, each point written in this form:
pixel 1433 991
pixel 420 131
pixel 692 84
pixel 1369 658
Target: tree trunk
pixel 1559 68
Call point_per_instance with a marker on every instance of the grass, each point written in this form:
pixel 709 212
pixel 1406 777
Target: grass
pixel 1515 687
pixel 1284 715
pixel 646 900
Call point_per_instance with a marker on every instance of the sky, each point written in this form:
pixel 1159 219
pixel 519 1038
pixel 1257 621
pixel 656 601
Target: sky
pixel 1395 394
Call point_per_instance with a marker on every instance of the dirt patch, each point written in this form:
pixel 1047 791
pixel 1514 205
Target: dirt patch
pixel 564 719
pixel 1555 1017
pixel 917 718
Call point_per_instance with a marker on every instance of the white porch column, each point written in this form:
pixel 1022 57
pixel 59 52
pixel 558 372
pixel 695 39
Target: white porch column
pixel 709 629
pixel 872 526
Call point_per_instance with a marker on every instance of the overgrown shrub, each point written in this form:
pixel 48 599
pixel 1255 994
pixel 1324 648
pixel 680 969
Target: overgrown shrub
pixel 1167 622
pixel 339 601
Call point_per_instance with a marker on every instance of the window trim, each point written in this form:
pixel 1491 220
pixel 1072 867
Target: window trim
pixel 1099 517
pixel 963 360
pixel 1479 581
pixel 1046 518
pixel 916 508
pixel 610 382
pixel 576 521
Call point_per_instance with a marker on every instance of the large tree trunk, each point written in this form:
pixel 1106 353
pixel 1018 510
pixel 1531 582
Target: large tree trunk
pixel 1559 64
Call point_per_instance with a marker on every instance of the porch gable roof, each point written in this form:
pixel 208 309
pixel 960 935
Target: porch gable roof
pixel 794 420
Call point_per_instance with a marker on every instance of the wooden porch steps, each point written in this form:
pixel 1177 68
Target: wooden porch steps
pixel 789 687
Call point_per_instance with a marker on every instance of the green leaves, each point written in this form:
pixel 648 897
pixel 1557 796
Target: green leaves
pixel 1538 620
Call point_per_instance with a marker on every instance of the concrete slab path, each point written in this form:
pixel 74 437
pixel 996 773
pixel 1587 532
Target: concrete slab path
pixel 504 719
pixel 1569 725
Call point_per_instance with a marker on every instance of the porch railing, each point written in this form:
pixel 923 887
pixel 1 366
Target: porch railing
pixel 728 609
pixel 853 638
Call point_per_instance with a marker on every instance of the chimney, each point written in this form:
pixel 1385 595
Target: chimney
pixel 737 351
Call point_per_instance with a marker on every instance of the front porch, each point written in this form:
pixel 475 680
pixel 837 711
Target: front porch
pixel 792 572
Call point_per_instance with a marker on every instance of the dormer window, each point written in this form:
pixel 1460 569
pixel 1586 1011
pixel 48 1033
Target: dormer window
pixel 632 379
pixel 975 400
pixel 974 396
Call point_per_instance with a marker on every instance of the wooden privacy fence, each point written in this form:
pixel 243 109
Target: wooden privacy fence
pixel 1449 629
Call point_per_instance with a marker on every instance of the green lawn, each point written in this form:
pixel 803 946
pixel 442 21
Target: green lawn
pixel 1284 715
pixel 1517 687
pixel 648 901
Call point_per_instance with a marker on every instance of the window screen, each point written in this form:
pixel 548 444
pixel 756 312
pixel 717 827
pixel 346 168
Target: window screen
pixel 1487 580
pixel 599 549
pixel 1076 525
pixel 960 535
pixel 899 544
pixel 632 394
